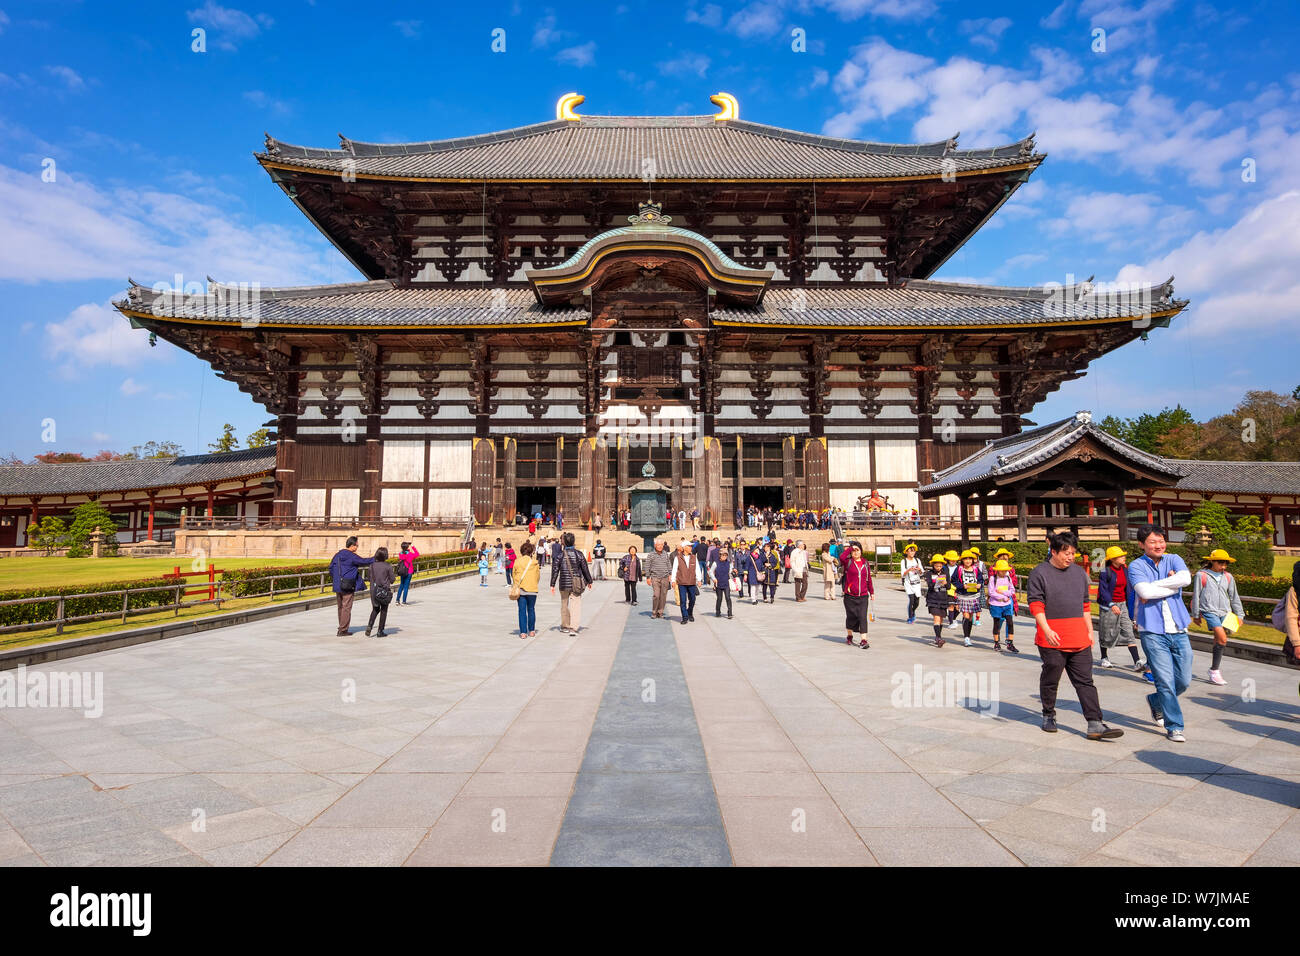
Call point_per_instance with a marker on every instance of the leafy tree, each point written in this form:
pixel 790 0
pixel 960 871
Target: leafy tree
pixel 154 449
pixel 258 439
pixel 11 459
pixel 1211 515
pixel 1145 431
pixel 61 457
pixel 85 519
pixel 227 441
pixel 48 535
pixel 1250 528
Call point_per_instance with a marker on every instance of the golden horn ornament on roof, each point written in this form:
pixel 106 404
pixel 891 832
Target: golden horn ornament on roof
pixel 565 104
pixel 730 107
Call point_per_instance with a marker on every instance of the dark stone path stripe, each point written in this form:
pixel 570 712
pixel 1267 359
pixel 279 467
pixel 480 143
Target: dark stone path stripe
pixel 644 796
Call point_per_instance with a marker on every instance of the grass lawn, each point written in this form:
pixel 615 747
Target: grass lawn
pixel 27 638
pixel 34 572
pixel 1282 565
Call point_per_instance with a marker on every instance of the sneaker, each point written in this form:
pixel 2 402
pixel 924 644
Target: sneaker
pixel 1099 731
pixel 1217 678
pixel 952 623
pixel 1156 714
pixel 1011 646
pixel 849 640
pixel 938 642
pixel 1105 662
pixel 1049 724
pixel 1176 736
pixel 728 615
pixel 968 643
pixel 1141 666
pixel 367 632
pixel 1149 677
pixel 911 620
pixel 997 645
pixel 863 644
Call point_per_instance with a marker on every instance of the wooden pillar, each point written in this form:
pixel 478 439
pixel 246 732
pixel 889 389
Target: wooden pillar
pixel 740 473
pixel 964 502
pixel 984 519
pixel 508 490
pixel 370 478
pixel 1121 513
pixel 152 499
pixel 816 483
pixel 623 481
pixel 287 456
pixel 788 483
pixel 36 511
pixel 1268 510
pixel 1149 518
pixel 675 443
pixel 708 481
pixel 209 489
pixel 1022 515
pixel 588 475
pixel 482 478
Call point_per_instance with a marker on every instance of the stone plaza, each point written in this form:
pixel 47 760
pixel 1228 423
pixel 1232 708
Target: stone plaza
pixel 761 741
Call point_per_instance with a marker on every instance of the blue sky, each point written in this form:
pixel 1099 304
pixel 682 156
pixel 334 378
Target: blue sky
pixel 1147 125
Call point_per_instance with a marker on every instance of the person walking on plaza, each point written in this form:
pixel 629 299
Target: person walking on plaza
pixel 910 570
pixel 658 571
pixel 528 575
pixel 799 570
pixel 685 577
pixel 752 568
pixel 937 585
pixel 720 573
pixel 968 581
pixel 382 576
pixel 346 576
pixel 1002 603
pixel 829 566
pixel 405 571
pixel 1157 579
pixel 629 570
pixel 570 569
pixel 785 559
pixel 598 560
pixel 1058 599
pixel 858 591
pixel 1115 603
pixel 952 562
pixel 484 566
pixel 771 572
pixel 1214 601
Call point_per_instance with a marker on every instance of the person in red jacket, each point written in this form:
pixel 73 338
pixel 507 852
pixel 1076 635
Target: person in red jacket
pixel 858 591
pixel 1058 600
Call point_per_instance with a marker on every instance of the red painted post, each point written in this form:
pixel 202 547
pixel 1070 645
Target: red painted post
pixel 212 577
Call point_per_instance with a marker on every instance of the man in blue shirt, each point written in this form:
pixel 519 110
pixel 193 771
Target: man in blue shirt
pixel 345 575
pixel 1157 580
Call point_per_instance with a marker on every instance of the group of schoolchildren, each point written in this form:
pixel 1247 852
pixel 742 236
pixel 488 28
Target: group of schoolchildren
pixel 959 586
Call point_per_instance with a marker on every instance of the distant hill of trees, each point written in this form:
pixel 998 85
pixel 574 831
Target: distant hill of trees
pixel 1264 426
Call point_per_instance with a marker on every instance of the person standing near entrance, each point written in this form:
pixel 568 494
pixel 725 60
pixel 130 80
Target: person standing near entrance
pixel 381 591
pixel 345 573
pixel 1158 580
pixel 799 571
pixel 598 559
pixel 1059 601
pixel 595 522
pixel 658 570
pixel 685 577
pixel 829 566
pixel 720 573
pixel 858 591
pixel 405 571
pixel 509 561
pixel 570 569
pixel 527 580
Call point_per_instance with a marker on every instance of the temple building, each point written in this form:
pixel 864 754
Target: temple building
pixel 545 309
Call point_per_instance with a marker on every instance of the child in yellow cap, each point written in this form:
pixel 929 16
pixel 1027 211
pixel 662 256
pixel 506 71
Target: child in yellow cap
pixel 1214 597
pixel 936 584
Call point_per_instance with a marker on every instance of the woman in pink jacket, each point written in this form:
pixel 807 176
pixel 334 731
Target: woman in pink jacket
pixel 405 568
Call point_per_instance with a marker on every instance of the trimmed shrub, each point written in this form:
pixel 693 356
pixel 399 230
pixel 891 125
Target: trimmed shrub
pixel 146 592
pixel 248 582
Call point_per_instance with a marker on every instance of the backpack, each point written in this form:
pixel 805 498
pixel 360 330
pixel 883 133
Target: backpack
pixel 381 594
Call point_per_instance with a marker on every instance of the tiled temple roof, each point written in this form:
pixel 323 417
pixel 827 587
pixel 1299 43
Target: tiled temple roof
pixel 1242 477
pixel 97 477
pixel 682 147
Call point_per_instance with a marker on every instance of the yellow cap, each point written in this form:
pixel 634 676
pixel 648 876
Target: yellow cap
pixel 1114 551
pixel 1002 551
pixel 1218 554
pixel 1002 566
pixel 975 549
pixel 970 553
pixel 936 559
pixel 909 547
pixel 950 555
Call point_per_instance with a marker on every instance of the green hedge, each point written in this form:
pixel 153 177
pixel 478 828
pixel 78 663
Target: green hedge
pixel 147 592
pixel 249 582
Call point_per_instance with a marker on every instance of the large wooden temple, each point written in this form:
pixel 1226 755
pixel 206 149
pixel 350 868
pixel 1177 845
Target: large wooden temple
pixel 547 308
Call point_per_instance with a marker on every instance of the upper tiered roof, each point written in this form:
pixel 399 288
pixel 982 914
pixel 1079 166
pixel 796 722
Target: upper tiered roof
pixel 682 148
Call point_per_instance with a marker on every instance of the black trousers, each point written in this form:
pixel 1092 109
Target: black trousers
pixel 380 611
pixel 1078 666
pixel 629 591
pixel 723 594
pixel 856 612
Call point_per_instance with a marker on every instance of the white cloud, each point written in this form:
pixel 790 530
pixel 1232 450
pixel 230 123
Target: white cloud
pixel 758 19
pixel 229 25
pixel 710 16
pixel 409 28
pixel 100 436
pixel 4 21
pixel 264 101
pixel 70 230
pixel 696 63
pixel 892 9
pixel 1241 279
pixel 544 32
pixel 986 31
pixel 131 387
pixel 579 56
pixel 67 76
pixel 1056 19
pixel 97 334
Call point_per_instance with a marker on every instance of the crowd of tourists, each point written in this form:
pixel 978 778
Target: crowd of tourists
pixel 1140 604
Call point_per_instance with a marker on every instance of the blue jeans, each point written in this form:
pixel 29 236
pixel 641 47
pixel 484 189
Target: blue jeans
pixel 403 588
pixel 686 594
pixel 1170 657
pixel 527 612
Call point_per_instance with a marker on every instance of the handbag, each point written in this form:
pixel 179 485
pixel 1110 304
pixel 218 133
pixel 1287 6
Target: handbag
pixel 576 584
pixel 514 587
